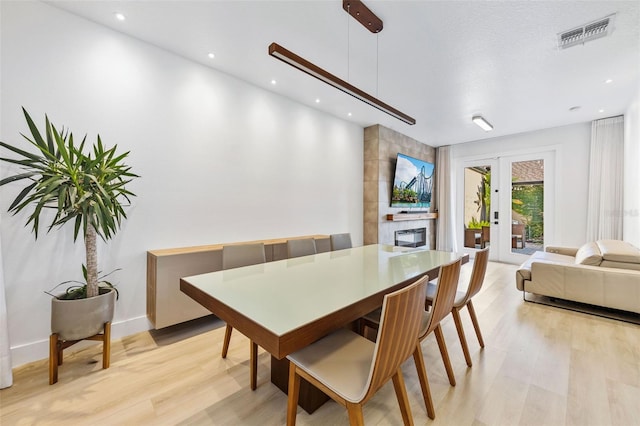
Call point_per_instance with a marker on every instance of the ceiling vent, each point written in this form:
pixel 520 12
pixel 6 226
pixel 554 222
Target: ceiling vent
pixel 591 31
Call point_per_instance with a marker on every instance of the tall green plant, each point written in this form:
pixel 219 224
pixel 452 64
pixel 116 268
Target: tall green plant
pixel 86 189
pixel 483 196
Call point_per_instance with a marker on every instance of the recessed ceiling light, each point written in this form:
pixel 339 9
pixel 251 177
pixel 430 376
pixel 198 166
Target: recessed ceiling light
pixel 120 16
pixel 608 81
pixel 349 114
pixel 601 110
pixel 317 100
pixel 273 82
pixel 211 55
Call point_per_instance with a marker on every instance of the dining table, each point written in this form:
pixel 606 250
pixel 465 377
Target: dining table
pixel 285 305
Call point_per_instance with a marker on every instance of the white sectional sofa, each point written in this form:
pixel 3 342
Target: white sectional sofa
pixel 603 273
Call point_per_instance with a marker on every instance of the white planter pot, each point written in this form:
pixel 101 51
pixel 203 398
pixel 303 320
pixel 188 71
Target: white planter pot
pixel 81 318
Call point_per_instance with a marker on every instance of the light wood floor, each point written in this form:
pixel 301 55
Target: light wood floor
pixel 541 366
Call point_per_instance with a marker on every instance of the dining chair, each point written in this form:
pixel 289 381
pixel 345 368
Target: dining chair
pixel 340 241
pixel 301 247
pixel 350 369
pixel 517 235
pixel 442 304
pixel 236 256
pixel 463 298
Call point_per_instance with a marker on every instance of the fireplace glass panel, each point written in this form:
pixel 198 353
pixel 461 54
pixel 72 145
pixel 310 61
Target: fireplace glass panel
pixel 411 237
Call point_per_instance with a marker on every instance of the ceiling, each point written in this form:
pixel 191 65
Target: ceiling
pixel 440 62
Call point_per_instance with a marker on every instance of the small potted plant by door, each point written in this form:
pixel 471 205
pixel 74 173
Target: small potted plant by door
pixel 86 187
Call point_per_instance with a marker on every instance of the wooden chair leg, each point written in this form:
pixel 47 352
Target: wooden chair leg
pixel 106 345
pixel 253 358
pixel 227 339
pixel 53 358
pixel 294 391
pixel 463 341
pixel 403 399
pixel 424 381
pixel 474 320
pixel 355 414
pixel 445 355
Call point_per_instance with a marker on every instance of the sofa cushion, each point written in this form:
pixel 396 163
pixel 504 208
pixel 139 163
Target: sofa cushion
pixel 620 265
pixel 618 251
pixel 524 272
pixel 589 254
pixel 541 256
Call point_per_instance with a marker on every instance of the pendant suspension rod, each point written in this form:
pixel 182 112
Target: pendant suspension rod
pixel 348 44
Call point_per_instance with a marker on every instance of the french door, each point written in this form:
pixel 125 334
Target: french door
pixel 506 204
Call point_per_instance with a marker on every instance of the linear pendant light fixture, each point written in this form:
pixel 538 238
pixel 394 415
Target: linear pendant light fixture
pixel 484 124
pixel 371 22
pixel 303 65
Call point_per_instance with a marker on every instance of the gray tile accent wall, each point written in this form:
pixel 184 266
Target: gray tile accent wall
pixel 381 146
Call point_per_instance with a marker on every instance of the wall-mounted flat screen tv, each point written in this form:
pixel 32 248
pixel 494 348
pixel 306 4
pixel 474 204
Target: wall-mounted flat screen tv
pixel 412 183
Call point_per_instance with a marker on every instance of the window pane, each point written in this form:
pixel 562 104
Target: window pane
pixel 527 206
pixel 477 206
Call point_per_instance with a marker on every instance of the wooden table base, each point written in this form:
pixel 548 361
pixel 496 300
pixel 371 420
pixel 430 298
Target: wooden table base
pixel 311 398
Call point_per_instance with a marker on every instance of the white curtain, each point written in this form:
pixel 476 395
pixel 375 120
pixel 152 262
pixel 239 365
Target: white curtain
pixel 605 201
pixel 6 378
pixel 446 236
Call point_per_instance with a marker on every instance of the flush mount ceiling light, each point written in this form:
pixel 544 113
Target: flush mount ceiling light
pixel 370 21
pixel 484 124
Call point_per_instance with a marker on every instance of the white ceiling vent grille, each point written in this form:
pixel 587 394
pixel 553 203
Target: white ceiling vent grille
pixel 591 31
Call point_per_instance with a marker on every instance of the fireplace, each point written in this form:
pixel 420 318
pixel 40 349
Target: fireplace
pixel 411 237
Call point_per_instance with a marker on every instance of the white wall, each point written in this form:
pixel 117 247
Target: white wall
pixel 572 164
pixel 631 219
pixel 220 160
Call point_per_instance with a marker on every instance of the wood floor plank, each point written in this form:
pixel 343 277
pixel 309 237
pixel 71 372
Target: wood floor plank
pixel 624 403
pixel 541 366
pixel 504 402
pixel 543 407
pixel 588 402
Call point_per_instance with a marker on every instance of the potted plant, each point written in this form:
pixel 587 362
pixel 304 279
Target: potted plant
pixel 83 188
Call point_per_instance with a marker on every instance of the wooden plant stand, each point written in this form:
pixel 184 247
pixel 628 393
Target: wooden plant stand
pixel 56 346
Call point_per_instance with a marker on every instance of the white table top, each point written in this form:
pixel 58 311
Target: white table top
pixel 285 295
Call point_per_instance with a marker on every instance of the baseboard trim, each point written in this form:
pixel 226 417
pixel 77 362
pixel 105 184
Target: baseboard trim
pixel 39 350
